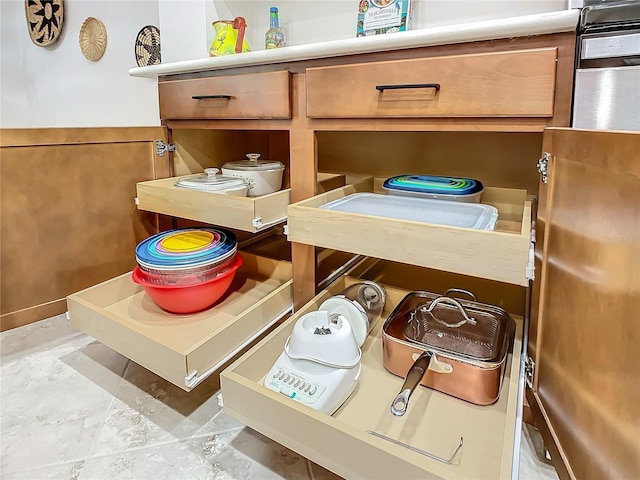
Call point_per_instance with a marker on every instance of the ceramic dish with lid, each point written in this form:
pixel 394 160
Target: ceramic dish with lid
pixel 211 181
pixel 264 176
pixel 437 187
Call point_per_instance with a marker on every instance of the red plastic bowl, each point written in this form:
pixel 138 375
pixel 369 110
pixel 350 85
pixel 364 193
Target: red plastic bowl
pixel 189 298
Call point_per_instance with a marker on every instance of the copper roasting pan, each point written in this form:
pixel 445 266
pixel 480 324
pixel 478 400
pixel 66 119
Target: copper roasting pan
pixel 458 347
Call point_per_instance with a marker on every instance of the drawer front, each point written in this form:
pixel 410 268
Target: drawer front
pixel 247 96
pixel 185 349
pixel 508 84
pixel 434 422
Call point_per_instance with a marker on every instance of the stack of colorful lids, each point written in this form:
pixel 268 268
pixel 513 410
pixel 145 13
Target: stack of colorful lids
pixel 187 270
pixel 434 186
pixel 186 251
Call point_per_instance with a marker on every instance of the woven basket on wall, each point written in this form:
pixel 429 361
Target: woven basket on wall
pixel 93 39
pixel 147 48
pixel 44 20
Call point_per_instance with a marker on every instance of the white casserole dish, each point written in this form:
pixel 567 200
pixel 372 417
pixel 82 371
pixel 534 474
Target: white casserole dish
pixel 263 176
pixel 210 181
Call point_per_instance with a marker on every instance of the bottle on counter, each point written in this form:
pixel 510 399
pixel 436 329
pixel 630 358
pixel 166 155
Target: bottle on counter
pixel 274 38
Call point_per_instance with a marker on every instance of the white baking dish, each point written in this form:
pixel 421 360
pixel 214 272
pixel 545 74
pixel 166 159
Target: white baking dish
pixel 263 176
pixel 211 181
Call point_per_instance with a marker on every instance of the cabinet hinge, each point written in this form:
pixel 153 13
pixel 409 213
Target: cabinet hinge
pixel 529 370
pixel 162 147
pixel 543 165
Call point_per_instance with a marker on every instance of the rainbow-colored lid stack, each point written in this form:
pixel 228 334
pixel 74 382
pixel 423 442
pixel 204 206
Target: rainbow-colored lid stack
pixel 186 249
pixel 432 184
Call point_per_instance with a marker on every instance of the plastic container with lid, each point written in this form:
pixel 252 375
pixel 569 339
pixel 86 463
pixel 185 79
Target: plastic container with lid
pixel 442 212
pixel 264 176
pixel 211 181
pixel 434 186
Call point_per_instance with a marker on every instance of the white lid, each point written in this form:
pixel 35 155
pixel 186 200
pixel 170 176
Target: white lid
pixel 254 164
pixel 443 212
pixel 353 312
pixel 210 181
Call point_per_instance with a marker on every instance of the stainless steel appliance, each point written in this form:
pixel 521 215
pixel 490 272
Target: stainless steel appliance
pixel 607 82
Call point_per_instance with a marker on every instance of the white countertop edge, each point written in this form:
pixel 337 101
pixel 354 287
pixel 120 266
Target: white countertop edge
pixel 538 24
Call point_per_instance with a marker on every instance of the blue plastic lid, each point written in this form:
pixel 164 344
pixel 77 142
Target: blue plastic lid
pixel 433 184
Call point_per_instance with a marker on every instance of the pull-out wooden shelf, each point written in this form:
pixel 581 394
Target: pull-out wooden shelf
pixel 185 349
pixel 250 214
pixel 502 254
pixel 434 422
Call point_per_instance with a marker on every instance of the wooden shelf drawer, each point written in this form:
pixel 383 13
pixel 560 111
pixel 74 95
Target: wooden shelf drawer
pixel 185 349
pixel 249 214
pixel 434 422
pixel 247 96
pixel 502 254
pixel 505 84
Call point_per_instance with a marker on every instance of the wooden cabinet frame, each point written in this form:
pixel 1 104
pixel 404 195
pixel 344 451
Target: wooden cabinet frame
pixel 306 143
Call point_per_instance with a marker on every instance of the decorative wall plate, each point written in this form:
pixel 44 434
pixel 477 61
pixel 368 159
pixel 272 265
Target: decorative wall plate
pixel 93 39
pixel 44 20
pixel 147 48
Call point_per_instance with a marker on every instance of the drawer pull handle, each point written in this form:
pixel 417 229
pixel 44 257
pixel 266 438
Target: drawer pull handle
pixel 211 97
pixel 382 88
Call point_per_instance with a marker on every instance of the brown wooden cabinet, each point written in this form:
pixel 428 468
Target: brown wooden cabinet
pixel 577 236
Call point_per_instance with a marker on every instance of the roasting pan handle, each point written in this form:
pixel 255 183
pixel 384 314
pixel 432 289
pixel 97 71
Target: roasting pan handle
pixel 453 302
pixel 462 291
pixel 415 374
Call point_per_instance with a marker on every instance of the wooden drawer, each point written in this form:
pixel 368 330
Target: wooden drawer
pixel 185 349
pixel 434 422
pixel 502 254
pixel 250 214
pixel 246 96
pixel 505 84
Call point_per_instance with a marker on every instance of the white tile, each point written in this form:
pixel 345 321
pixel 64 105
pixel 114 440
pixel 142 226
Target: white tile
pixel 83 359
pixel 189 459
pixel 70 471
pixel 149 410
pixel 225 456
pixel 56 390
pixel 38 337
pixel 51 425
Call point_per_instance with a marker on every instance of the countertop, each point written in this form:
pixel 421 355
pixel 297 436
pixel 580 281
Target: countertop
pixel 538 24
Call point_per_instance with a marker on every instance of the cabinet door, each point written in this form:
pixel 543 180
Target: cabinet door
pixel 587 380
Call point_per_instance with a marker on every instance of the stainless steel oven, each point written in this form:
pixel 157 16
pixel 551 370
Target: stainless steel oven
pixel 607 81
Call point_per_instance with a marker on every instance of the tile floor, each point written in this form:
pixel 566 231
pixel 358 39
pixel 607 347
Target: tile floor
pixel 71 408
